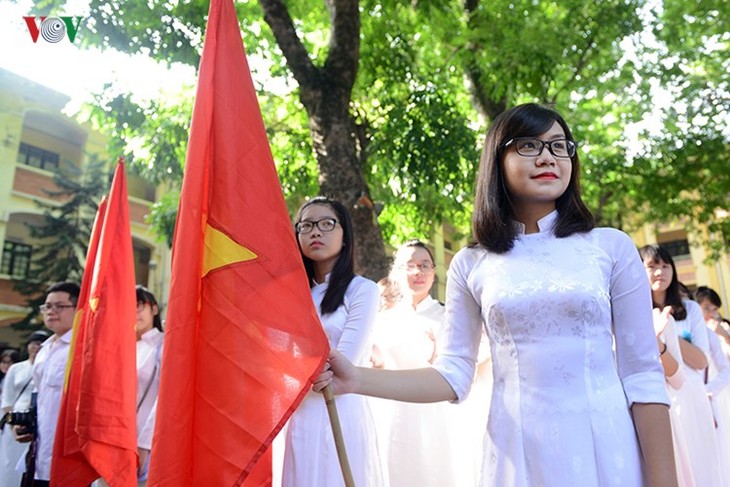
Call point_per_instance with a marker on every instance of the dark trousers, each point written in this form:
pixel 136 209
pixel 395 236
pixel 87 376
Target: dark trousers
pixel 26 482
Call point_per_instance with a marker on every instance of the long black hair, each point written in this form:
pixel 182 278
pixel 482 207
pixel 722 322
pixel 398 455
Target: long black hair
pixel 673 298
pixel 344 269
pixel 144 295
pixel 492 221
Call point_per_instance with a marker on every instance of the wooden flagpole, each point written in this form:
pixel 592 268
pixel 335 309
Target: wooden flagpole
pixel 329 400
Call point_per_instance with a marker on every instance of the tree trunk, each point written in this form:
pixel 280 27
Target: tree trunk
pixel 488 107
pixel 341 178
pixel 325 93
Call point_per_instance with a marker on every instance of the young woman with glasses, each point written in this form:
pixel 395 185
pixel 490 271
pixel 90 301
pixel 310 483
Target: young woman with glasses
pixel 346 304
pixel 579 395
pixel 149 358
pixel 439 435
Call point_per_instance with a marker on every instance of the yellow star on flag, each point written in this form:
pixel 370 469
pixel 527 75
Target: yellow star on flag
pixel 221 251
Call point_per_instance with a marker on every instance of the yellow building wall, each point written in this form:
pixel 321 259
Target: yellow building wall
pixel 32 114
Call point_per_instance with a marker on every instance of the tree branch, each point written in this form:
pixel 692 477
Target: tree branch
pixel 579 66
pixel 344 50
pixel 297 57
pixel 361 128
pixel 470 6
pixel 486 106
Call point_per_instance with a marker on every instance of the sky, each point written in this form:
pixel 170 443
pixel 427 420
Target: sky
pixel 77 72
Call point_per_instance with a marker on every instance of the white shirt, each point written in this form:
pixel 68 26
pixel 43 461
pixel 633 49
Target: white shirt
pixel 149 356
pixel 430 307
pixel 49 371
pixel 406 336
pixel 12 453
pixel 718 358
pixel 694 330
pixel 349 327
pixel 17 377
pixel 310 457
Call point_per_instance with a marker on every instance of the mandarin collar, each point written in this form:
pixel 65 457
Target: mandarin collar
pixel 326 280
pixel 425 303
pixel 405 304
pixel 544 224
pixel 150 335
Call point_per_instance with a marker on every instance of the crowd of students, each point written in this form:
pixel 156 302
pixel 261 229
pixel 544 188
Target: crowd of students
pixel 557 370
pixel 589 386
pixel 37 383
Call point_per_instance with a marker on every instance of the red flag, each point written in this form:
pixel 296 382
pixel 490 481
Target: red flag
pixel 96 434
pixel 243 340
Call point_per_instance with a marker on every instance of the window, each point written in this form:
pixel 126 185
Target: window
pixel 676 248
pixel 16 259
pixel 37 157
pixel 142 256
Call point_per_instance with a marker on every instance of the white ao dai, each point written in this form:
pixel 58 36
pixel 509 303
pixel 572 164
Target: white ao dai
pixel 310 458
pixel 552 308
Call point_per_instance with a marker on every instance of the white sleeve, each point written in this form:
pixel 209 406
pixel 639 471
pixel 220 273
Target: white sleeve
pixel 362 300
pixel 697 327
pixel 671 340
pixel 719 359
pixel 637 355
pixel 458 352
pixel 9 392
pixel 144 438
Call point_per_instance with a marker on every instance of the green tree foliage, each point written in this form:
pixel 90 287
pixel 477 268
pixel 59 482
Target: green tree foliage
pixel 565 54
pixel 605 65
pixel 430 76
pixel 156 129
pixel 684 165
pixel 429 129
pixel 64 234
pixel 422 146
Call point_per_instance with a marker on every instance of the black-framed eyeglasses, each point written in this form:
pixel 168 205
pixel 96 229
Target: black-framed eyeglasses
pixel 532 146
pixel 424 268
pixel 48 307
pixel 325 225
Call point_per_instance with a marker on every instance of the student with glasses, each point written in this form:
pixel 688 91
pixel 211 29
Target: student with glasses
pixel 346 304
pixel 149 358
pixel 439 435
pixel 579 395
pixel 718 373
pixel 389 293
pixel 148 328
pixel 413 272
pixel 48 376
